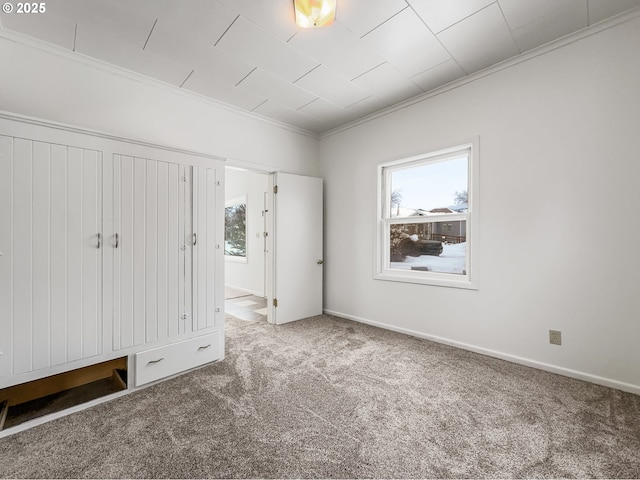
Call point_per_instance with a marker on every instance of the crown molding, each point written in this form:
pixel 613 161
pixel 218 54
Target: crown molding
pixel 510 62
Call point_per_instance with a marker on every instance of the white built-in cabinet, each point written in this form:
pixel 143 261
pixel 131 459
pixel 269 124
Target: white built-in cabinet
pixel 105 254
pixel 50 272
pixel 162 236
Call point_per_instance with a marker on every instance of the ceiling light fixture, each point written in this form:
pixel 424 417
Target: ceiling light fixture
pixel 314 13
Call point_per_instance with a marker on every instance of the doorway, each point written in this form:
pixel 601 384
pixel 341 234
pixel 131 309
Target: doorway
pixel 245 246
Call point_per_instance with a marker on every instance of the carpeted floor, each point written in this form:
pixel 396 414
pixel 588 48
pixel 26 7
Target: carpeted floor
pixel 327 397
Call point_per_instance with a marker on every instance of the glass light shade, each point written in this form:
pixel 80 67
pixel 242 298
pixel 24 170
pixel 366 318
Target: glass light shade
pixel 314 13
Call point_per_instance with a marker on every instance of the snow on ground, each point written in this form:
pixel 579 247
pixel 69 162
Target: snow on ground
pixel 452 260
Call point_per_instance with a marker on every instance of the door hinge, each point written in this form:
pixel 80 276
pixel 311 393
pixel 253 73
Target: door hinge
pixel 275 302
pixel 275 189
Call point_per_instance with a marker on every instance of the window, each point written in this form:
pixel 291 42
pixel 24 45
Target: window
pixel 235 229
pixel 426 218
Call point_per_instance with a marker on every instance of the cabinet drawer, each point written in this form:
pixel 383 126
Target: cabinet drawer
pixel 161 362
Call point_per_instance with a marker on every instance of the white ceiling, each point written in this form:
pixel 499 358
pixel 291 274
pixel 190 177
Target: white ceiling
pixel 250 54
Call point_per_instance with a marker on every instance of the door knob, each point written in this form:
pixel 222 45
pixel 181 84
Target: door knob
pixel 320 262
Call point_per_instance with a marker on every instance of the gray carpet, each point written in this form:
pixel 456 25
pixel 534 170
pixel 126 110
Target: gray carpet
pixel 327 397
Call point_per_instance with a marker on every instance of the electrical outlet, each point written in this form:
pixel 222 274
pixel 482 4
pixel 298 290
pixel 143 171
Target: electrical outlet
pixel 555 337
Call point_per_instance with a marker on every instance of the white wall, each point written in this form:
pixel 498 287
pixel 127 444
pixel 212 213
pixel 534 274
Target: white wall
pixel 52 84
pixel 558 227
pixel 248 276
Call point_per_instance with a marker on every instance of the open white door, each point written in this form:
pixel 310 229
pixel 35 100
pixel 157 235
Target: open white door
pixel 296 247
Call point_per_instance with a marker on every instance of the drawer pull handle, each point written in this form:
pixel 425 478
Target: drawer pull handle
pixel 151 362
pixel 204 348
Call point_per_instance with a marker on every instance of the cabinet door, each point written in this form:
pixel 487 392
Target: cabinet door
pixel 148 259
pixel 50 270
pixel 204 247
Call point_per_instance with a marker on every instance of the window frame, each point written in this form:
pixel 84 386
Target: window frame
pixel 238 258
pixel 382 269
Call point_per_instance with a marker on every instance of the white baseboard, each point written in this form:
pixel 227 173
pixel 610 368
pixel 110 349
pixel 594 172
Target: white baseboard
pixel 607 382
pixel 248 292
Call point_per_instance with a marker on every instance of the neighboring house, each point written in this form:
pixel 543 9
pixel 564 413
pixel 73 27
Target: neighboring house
pixel 448 232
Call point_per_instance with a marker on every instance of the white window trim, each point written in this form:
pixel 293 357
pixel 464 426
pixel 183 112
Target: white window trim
pixel 237 258
pixel 382 251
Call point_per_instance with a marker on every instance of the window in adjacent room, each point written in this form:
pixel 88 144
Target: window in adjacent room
pixel 426 222
pixel 235 229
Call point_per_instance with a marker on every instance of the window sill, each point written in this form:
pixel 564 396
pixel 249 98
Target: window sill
pixel 422 278
pixel 234 259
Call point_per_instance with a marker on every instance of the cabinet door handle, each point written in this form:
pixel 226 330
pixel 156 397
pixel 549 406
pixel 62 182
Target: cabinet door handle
pixel 195 239
pixel 151 362
pixel 117 241
pixel 204 347
pixel 99 240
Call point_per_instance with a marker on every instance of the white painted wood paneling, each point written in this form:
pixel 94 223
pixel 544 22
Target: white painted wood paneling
pixel 151 251
pixel 59 257
pixel 22 256
pixel 52 216
pixel 74 253
pixel 6 254
pixel 92 253
pixel 204 205
pixel 156 264
pixel 123 264
pixel 173 253
pixel 138 207
pixel 87 243
pixel 186 209
pixel 162 243
pixel 41 253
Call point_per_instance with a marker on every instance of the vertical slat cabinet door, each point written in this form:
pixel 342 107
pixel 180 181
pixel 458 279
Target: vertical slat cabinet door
pixel 124 192
pixel 139 278
pixel 162 244
pixel 174 253
pixel 75 252
pixel 204 205
pixel 151 252
pixel 59 254
pixel 22 256
pixel 41 232
pixel 92 246
pixel 108 252
pixel 210 247
pixel 6 255
pixel 186 239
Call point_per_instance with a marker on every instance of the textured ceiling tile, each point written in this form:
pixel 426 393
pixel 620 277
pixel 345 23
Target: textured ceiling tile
pixel 441 14
pixel 274 16
pixel 519 13
pixel 332 87
pixel 337 48
pixel 387 83
pixel 480 40
pixel 49 27
pixel 249 43
pixel 165 43
pixel 602 9
pixel 367 106
pixel 362 16
pixel 209 86
pixel 407 44
pixel 287 94
pixel 568 17
pixel 276 111
pixel 193 22
pixel 439 75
